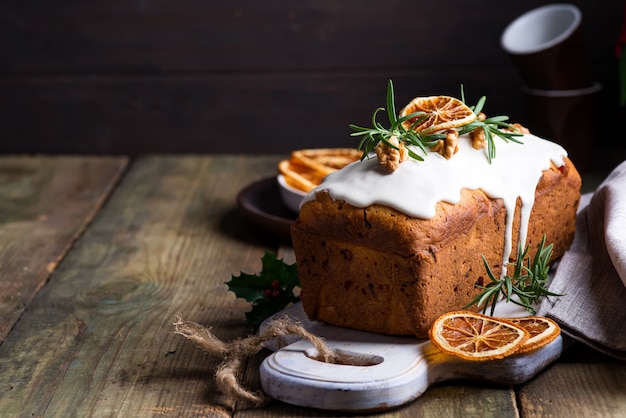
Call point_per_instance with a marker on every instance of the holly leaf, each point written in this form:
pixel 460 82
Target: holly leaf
pixel 269 291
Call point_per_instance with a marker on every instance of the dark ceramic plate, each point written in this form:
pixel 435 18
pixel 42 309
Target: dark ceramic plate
pixel 261 204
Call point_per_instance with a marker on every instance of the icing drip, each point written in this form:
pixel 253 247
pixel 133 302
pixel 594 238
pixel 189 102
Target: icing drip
pixel 416 187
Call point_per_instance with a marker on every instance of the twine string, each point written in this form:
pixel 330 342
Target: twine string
pixel 235 353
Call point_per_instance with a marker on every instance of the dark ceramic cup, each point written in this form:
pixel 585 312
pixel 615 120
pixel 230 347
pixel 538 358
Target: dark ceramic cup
pixel 547 48
pixel 567 117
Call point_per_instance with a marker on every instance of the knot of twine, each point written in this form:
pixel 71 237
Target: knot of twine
pixel 235 352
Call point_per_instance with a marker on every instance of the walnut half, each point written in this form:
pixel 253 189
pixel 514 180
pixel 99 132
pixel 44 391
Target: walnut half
pixel 478 135
pixel 389 157
pixel 449 146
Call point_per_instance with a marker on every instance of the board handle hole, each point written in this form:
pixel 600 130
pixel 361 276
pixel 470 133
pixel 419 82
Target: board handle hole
pixel 346 357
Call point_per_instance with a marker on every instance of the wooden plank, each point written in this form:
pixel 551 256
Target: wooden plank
pixel 99 337
pixel 45 205
pixel 125 77
pixel 194 36
pixel 228 113
pixel 585 389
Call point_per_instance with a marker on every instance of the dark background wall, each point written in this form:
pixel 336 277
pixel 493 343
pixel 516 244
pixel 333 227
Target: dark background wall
pixel 140 76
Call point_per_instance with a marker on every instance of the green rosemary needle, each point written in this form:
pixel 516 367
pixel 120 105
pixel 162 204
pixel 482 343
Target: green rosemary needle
pixel 528 282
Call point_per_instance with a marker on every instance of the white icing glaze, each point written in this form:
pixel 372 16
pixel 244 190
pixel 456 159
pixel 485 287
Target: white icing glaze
pixel 417 186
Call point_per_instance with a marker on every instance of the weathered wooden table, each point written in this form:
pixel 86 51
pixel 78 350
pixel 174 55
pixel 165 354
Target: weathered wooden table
pixel 99 254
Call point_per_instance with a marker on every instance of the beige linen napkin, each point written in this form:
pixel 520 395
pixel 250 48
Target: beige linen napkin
pixel 592 273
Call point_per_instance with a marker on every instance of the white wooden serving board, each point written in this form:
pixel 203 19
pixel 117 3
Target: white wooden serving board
pixel 397 370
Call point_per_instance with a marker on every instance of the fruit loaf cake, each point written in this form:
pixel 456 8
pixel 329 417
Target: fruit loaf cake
pixel 389 252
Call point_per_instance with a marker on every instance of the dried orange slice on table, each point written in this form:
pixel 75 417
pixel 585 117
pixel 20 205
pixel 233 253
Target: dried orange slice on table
pixel 542 331
pixel 440 113
pixel 477 337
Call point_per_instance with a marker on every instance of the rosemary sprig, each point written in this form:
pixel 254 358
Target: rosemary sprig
pixel 378 133
pixel 528 282
pixel 372 136
pixel 492 127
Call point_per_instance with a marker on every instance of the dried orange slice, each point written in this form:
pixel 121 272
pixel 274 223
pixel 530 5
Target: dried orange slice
pixel 542 331
pixel 326 160
pixel 440 113
pixel 300 176
pixel 477 337
pixel 305 169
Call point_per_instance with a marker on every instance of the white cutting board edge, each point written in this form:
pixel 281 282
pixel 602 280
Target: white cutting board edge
pixel 405 367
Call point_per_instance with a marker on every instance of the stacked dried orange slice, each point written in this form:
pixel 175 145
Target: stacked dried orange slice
pixel 478 337
pixel 305 169
pixel 542 331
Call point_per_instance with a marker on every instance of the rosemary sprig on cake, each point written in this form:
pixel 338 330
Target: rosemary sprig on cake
pixel 490 127
pixel 528 282
pixel 431 122
pixel 378 133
